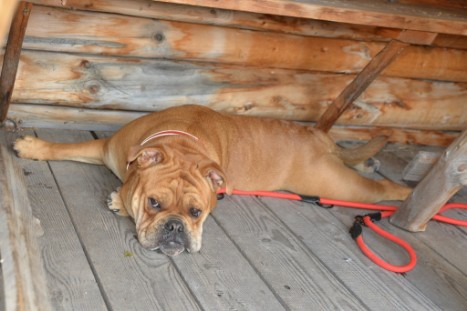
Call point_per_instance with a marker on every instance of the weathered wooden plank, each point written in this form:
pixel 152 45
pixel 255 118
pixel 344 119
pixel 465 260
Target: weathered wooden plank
pixel 448 175
pixel 108 120
pixel 434 276
pixel 21 263
pixel 245 20
pixel 385 14
pixel 99 33
pixel 221 278
pixel 358 85
pixel 70 282
pixel 294 273
pixel 434 138
pixel 147 85
pixel 131 277
pixel 329 240
pixel 11 56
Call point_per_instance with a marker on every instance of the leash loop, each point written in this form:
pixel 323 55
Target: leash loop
pixel 367 220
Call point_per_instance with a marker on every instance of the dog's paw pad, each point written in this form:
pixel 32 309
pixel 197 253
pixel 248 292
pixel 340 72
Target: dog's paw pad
pixel 115 204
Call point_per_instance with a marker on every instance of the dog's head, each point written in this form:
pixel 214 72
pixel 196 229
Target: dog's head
pixel 169 192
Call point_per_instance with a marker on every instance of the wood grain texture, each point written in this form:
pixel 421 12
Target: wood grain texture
pixel 100 33
pixel 295 274
pixel 358 85
pixel 386 14
pixel 327 237
pixel 221 278
pixel 108 120
pixel 141 281
pixel 71 284
pixel 11 56
pixel 245 20
pixel 447 176
pixel 90 82
pixel 21 262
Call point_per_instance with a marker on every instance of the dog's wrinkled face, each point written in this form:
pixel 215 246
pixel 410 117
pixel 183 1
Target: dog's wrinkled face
pixel 169 192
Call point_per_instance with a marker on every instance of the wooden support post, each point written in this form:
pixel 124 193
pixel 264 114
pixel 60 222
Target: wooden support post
pixel 12 54
pixel 360 83
pixel 446 177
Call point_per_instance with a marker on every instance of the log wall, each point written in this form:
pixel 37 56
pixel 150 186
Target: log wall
pixel 97 58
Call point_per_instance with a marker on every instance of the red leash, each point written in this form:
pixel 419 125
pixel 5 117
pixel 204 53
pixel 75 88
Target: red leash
pixel 366 220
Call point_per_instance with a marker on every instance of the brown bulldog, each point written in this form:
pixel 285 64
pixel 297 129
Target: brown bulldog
pixel 172 163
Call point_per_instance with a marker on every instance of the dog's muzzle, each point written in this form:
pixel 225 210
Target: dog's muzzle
pixel 173 238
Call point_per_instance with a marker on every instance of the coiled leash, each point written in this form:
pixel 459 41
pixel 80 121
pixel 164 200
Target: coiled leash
pixel 361 221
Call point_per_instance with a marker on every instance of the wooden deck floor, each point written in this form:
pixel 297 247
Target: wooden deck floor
pixel 257 254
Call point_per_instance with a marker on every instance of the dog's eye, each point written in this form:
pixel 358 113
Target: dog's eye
pixel 195 212
pixel 153 203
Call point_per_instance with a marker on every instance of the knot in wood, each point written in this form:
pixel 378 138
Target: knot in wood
pixel 159 37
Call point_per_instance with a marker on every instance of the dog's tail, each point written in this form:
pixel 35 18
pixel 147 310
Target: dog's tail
pixel 354 156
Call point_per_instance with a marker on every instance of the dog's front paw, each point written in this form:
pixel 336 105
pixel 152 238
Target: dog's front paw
pixel 115 204
pixel 29 147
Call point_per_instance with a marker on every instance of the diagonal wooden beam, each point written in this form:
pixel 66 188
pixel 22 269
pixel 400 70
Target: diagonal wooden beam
pixel 383 59
pixel 12 54
pixel 371 71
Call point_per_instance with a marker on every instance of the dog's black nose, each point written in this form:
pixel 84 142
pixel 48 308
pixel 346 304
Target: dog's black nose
pixel 174 225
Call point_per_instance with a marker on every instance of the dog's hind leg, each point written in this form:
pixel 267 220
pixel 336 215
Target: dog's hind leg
pixel 330 178
pixel 30 147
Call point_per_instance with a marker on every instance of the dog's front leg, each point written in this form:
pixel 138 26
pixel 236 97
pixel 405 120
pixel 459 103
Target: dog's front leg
pixel 30 147
pixel 115 203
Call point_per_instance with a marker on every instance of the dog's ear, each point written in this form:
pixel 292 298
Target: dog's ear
pixel 145 157
pixel 214 175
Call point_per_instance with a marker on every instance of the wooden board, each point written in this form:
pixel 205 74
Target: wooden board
pixel 11 56
pixel 71 284
pixel 321 231
pixel 22 268
pixel 147 85
pixel 293 271
pixel 125 269
pixel 246 20
pixel 108 120
pixel 386 14
pixel 98 33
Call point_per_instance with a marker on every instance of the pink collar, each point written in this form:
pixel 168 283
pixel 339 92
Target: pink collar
pixel 168 133
pixel 162 134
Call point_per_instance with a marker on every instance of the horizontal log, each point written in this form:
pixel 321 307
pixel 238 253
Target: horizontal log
pixel 245 20
pixel 98 33
pixel 402 136
pixel 109 120
pixel 381 13
pixel 113 83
